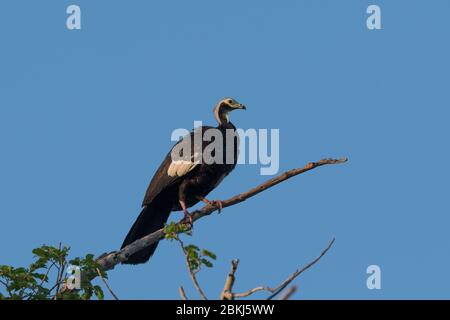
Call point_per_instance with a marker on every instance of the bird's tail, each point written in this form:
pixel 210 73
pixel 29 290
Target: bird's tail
pixel 152 218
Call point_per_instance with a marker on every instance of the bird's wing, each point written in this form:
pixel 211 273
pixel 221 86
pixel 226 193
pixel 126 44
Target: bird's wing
pixel 182 159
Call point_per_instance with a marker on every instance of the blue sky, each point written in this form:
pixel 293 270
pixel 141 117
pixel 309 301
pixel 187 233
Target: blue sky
pixel 86 118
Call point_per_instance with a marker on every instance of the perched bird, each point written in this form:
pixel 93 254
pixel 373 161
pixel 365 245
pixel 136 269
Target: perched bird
pixel 185 177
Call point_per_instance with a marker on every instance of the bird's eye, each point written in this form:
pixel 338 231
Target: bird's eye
pixel 230 101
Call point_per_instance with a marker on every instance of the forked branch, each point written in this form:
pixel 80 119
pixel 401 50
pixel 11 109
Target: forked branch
pixel 192 273
pixel 227 294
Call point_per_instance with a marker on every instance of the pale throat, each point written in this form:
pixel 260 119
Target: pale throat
pixel 222 117
pixel 226 117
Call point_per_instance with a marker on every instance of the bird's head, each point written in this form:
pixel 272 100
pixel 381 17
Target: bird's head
pixel 224 107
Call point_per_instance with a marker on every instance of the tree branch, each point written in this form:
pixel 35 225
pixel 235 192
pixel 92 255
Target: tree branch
pixel 106 284
pixel 191 272
pixel 276 290
pixel 108 261
pixel 289 293
pixel 182 293
pixel 229 282
pixel 300 271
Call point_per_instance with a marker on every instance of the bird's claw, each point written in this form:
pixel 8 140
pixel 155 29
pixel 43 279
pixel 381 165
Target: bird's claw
pixel 187 219
pixel 218 204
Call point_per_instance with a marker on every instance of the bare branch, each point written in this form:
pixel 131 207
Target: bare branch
pixel 300 271
pixel 276 290
pixel 191 272
pixel 289 292
pixel 229 282
pixel 182 293
pixel 44 278
pixel 106 284
pixel 108 261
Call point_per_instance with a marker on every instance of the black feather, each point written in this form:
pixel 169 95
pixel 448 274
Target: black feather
pixel 152 218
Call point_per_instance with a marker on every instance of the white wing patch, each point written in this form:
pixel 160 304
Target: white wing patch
pixel 179 168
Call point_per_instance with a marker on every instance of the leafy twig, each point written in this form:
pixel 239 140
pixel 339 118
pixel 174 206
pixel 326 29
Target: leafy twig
pixel 192 272
pixel 106 284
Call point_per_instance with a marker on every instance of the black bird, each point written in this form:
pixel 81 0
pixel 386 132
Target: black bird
pixel 182 180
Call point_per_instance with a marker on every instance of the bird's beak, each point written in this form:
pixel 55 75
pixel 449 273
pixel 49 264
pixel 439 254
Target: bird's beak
pixel 241 106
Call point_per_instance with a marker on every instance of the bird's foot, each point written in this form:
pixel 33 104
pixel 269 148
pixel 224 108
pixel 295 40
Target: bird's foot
pixel 187 219
pixel 187 216
pixel 216 203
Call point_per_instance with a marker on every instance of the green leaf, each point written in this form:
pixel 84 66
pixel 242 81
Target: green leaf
pixel 40 252
pixel 75 262
pixel 99 292
pixel 40 276
pixel 192 247
pixel 206 263
pixel 210 254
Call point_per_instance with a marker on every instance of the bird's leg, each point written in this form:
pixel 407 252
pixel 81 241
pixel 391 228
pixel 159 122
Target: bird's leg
pixel 187 215
pixel 217 203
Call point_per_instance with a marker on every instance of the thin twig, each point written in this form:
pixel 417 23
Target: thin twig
pixel 61 268
pixel 276 290
pixel 7 284
pixel 298 272
pixel 182 293
pixel 106 284
pixel 229 282
pixel 54 287
pixel 42 281
pixel 191 272
pixel 289 292
pixel 46 274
